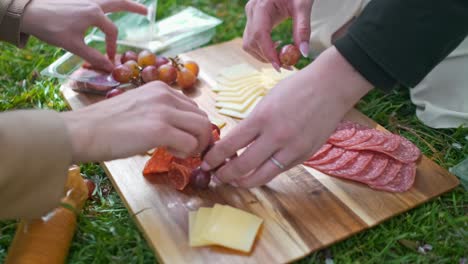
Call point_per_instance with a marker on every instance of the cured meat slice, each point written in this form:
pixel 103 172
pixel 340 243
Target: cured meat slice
pixel 331 155
pixel 390 172
pixel 321 152
pixel 375 168
pixel 406 152
pixel 159 162
pixel 390 144
pixel 339 163
pixel 179 175
pixel 360 137
pixel 402 182
pixel 348 124
pixel 343 134
pixel 377 139
pixel 353 168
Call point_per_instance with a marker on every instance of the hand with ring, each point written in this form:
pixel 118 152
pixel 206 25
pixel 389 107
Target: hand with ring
pixel 290 124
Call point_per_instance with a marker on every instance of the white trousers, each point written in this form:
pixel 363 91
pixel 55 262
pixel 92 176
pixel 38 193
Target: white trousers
pixel 441 98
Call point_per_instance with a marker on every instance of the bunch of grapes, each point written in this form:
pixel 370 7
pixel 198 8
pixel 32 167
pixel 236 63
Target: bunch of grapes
pixel 146 67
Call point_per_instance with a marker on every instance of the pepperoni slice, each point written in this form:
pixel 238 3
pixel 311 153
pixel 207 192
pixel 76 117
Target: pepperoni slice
pixel 333 154
pixel 190 162
pixel 159 162
pixel 353 168
pixel 342 161
pixel 179 175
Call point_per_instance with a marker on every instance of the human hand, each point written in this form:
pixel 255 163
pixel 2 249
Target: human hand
pixel 136 121
pixel 264 15
pixel 290 124
pixel 64 22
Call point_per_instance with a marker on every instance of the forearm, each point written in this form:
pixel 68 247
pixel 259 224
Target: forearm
pixel 11 13
pixel 399 42
pixel 35 156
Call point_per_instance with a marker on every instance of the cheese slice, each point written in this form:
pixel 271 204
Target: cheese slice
pixel 233 86
pixel 240 107
pixel 218 122
pixel 228 82
pixel 240 91
pixel 232 228
pixel 240 115
pixel 238 71
pixel 242 98
pixel 201 219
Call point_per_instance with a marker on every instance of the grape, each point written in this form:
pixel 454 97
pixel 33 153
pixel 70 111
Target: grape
pixel 122 73
pixel 289 55
pixel 133 65
pixel 146 58
pixel 186 79
pixel 149 74
pixel 200 179
pixel 114 92
pixel 91 186
pixel 128 56
pixel 192 66
pixel 167 73
pixel 161 60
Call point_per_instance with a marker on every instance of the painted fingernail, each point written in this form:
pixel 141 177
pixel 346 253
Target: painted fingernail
pixel 304 48
pixel 276 66
pixel 289 68
pixel 205 166
pixel 277 44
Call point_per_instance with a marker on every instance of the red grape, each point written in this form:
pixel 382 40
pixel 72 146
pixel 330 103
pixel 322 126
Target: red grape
pixel 289 55
pixel 186 79
pixel 133 65
pixel 167 73
pixel 149 74
pixel 200 179
pixel 114 92
pixel 161 60
pixel 91 186
pixel 146 58
pixel 193 67
pixel 122 73
pixel 128 56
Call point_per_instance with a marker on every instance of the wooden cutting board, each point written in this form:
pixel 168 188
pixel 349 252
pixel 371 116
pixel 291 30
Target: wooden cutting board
pixel 304 210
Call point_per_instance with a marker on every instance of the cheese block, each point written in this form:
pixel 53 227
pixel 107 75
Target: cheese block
pixel 201 219
pixel 240 115
pixel 232 228
pixel 238 71
pixel 240 107
pixel 240 99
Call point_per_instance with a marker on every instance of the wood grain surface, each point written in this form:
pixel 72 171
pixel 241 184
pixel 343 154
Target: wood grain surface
pixel 304 210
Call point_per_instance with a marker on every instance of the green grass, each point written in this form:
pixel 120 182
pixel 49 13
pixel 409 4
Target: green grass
pixel 107 233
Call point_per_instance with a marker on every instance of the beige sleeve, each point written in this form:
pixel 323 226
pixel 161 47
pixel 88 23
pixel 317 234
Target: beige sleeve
pixel 35 154
pixel 11 12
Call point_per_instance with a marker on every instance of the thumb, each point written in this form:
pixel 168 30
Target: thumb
pixel 301 25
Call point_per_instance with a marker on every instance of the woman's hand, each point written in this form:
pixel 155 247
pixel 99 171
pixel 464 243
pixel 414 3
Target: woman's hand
pixel 137 121
pixel 290 124
pixel 63 23
pixel 264 15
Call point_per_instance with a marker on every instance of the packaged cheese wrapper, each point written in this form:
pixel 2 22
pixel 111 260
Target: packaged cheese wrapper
pixel 48 239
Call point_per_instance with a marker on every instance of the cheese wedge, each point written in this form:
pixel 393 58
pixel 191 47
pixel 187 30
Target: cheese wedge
pixel 240 115
pixel 240 99
pixel 240 107
pixel 238 71
pixel 232 228
pixel 201 219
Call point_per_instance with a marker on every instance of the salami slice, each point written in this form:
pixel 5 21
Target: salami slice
pixel 353 168
pixel 402 182
pixel 331 155
pixel 343 134
pixel 348 124
pixel 359 137
pixel 375 168
pixel 179 175
pixel 159 162
pixel 390 172
pixel 339 163
pixel 321 152
pixel 406 152
pixel 377 139
pixel 390 144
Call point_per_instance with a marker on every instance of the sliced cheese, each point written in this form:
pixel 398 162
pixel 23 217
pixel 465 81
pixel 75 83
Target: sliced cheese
pixel 218 122
pixel 240 99
pixel 240 91
pixel 238 71
pixel 201 219
pixel 240 107
pixel 240 115
pixel 232 228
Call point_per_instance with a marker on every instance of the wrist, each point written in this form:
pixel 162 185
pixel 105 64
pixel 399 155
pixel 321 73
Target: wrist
pixel 77 131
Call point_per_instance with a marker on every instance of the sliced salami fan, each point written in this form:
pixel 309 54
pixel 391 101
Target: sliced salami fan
pixel 377 139
pixel 406 152
pixel 343 134
pixel 331 155
pixel 339 163
pixel 321 152
pixel 354 167
pixel 390 144
pixel 390 172
pixel 358 138
pixel 402 182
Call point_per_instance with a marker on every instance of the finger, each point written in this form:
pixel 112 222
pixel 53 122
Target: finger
pixel 196 125
pixel 240 136
pixel 253 157
pixel 110 6
pixel 188 106
pixel 301 26
pixel 268 50
pixel 180 142
pixel 161 85
pixel 96 58
pixel 111 32
pixel 268 171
